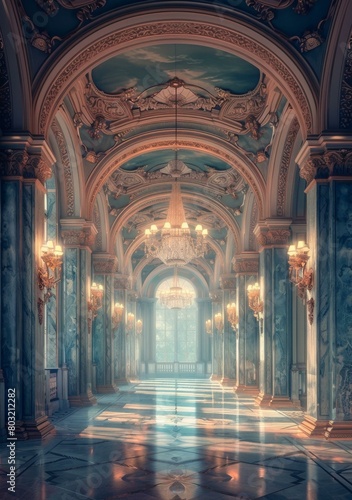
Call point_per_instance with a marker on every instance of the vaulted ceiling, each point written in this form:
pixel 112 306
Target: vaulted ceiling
pixel 238 130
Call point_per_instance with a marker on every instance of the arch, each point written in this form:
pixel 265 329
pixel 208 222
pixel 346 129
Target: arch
pixel 17 67
pixel 195 141
pixel 332 77
pixel 163 272
pixel 243 37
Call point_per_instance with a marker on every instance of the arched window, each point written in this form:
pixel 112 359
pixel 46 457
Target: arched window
pixel 176 329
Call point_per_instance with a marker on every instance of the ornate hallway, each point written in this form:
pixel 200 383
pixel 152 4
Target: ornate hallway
pixel 179 439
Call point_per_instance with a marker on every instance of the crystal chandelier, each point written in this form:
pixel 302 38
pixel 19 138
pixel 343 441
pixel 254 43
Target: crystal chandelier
pixel 176 297
pixel 175 245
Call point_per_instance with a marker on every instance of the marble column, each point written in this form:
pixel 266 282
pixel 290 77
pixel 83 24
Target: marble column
pixel 230 367
pixel 276 339
pixel 327 168
pixel 78 236
pixel 131 335
pixel 105 267
pixel 246 267
pixel 218 338
pixel 204 354
pixel 25 165
pixel 121 285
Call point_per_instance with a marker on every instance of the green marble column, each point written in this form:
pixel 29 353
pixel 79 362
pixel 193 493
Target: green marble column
pixel 25 165
pixel 276 339
pixel 230 367
pixel 327 168
pixel 105 267
pixel 246 267
pixel 78 236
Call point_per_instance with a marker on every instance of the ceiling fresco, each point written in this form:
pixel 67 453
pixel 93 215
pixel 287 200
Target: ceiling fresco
pixel 302 23
pixel 196 65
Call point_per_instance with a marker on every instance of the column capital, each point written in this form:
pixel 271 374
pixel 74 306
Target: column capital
pixel 26 157
pixel 122 282
pixel 228 281
pixel 325 157
pixel 246 263
pixel 273 232
pixel 216 296
pixel 104 263
pixel 78 232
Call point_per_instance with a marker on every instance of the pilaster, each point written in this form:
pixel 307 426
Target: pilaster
pixel 78 236
pixel 230 336
pixel 275 341
pixel 121 287
pixel 216 297
pixel 105 267
pixel 246 267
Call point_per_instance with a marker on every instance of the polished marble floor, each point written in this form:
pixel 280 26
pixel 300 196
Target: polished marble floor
pixel 179 440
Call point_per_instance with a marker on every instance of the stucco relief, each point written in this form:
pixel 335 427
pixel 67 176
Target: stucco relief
pixel 284 167
pixel 173 28
pixel 66 164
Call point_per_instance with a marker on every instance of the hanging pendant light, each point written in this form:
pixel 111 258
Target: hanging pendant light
pixel 174 244
pixel 176 297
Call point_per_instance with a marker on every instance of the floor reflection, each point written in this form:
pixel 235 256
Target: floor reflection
pixel 179 440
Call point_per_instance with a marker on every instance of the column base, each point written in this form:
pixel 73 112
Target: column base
pixel 228 382
pixel 107 389
pixel 251 390
pixel 38 428
pixel 313 427
pixel 216 378
pixel 281 402
pixel 338 430
pixel 120 381
pixel 263 400
pixel 83 399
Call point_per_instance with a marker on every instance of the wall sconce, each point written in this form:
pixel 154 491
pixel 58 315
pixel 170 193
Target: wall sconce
pixel 208 328
pixel 219 323
pixel 298 274
pixel 254 302
pixel 117 315
pixel 232 315
pixel 139 326
pixel 130 322
pixel 49 275
pixel 95 302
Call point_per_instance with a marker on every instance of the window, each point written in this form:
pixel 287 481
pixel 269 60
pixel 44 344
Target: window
pixel 176 329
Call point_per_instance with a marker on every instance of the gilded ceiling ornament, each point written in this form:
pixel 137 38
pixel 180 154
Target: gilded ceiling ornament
pixel 265 8
pixel 308 41
pixel 65 163
pixel 98 127
pixel 253 127
pixel 39 40
pixel 167 28
pixel 249 266
pixel 284 167
pixel 246 174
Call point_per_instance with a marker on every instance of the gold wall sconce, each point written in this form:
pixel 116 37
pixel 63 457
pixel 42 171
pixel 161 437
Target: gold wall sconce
pixel 96 300
pixel 232 316
pixel 254 301
pixel 130 322
pixel 139 326
pixel 219 322
pixel 208 327
pixel 49 275
pixel 298 273
pixel 117 315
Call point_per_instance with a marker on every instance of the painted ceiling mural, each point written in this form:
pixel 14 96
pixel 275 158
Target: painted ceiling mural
pixel 221 98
